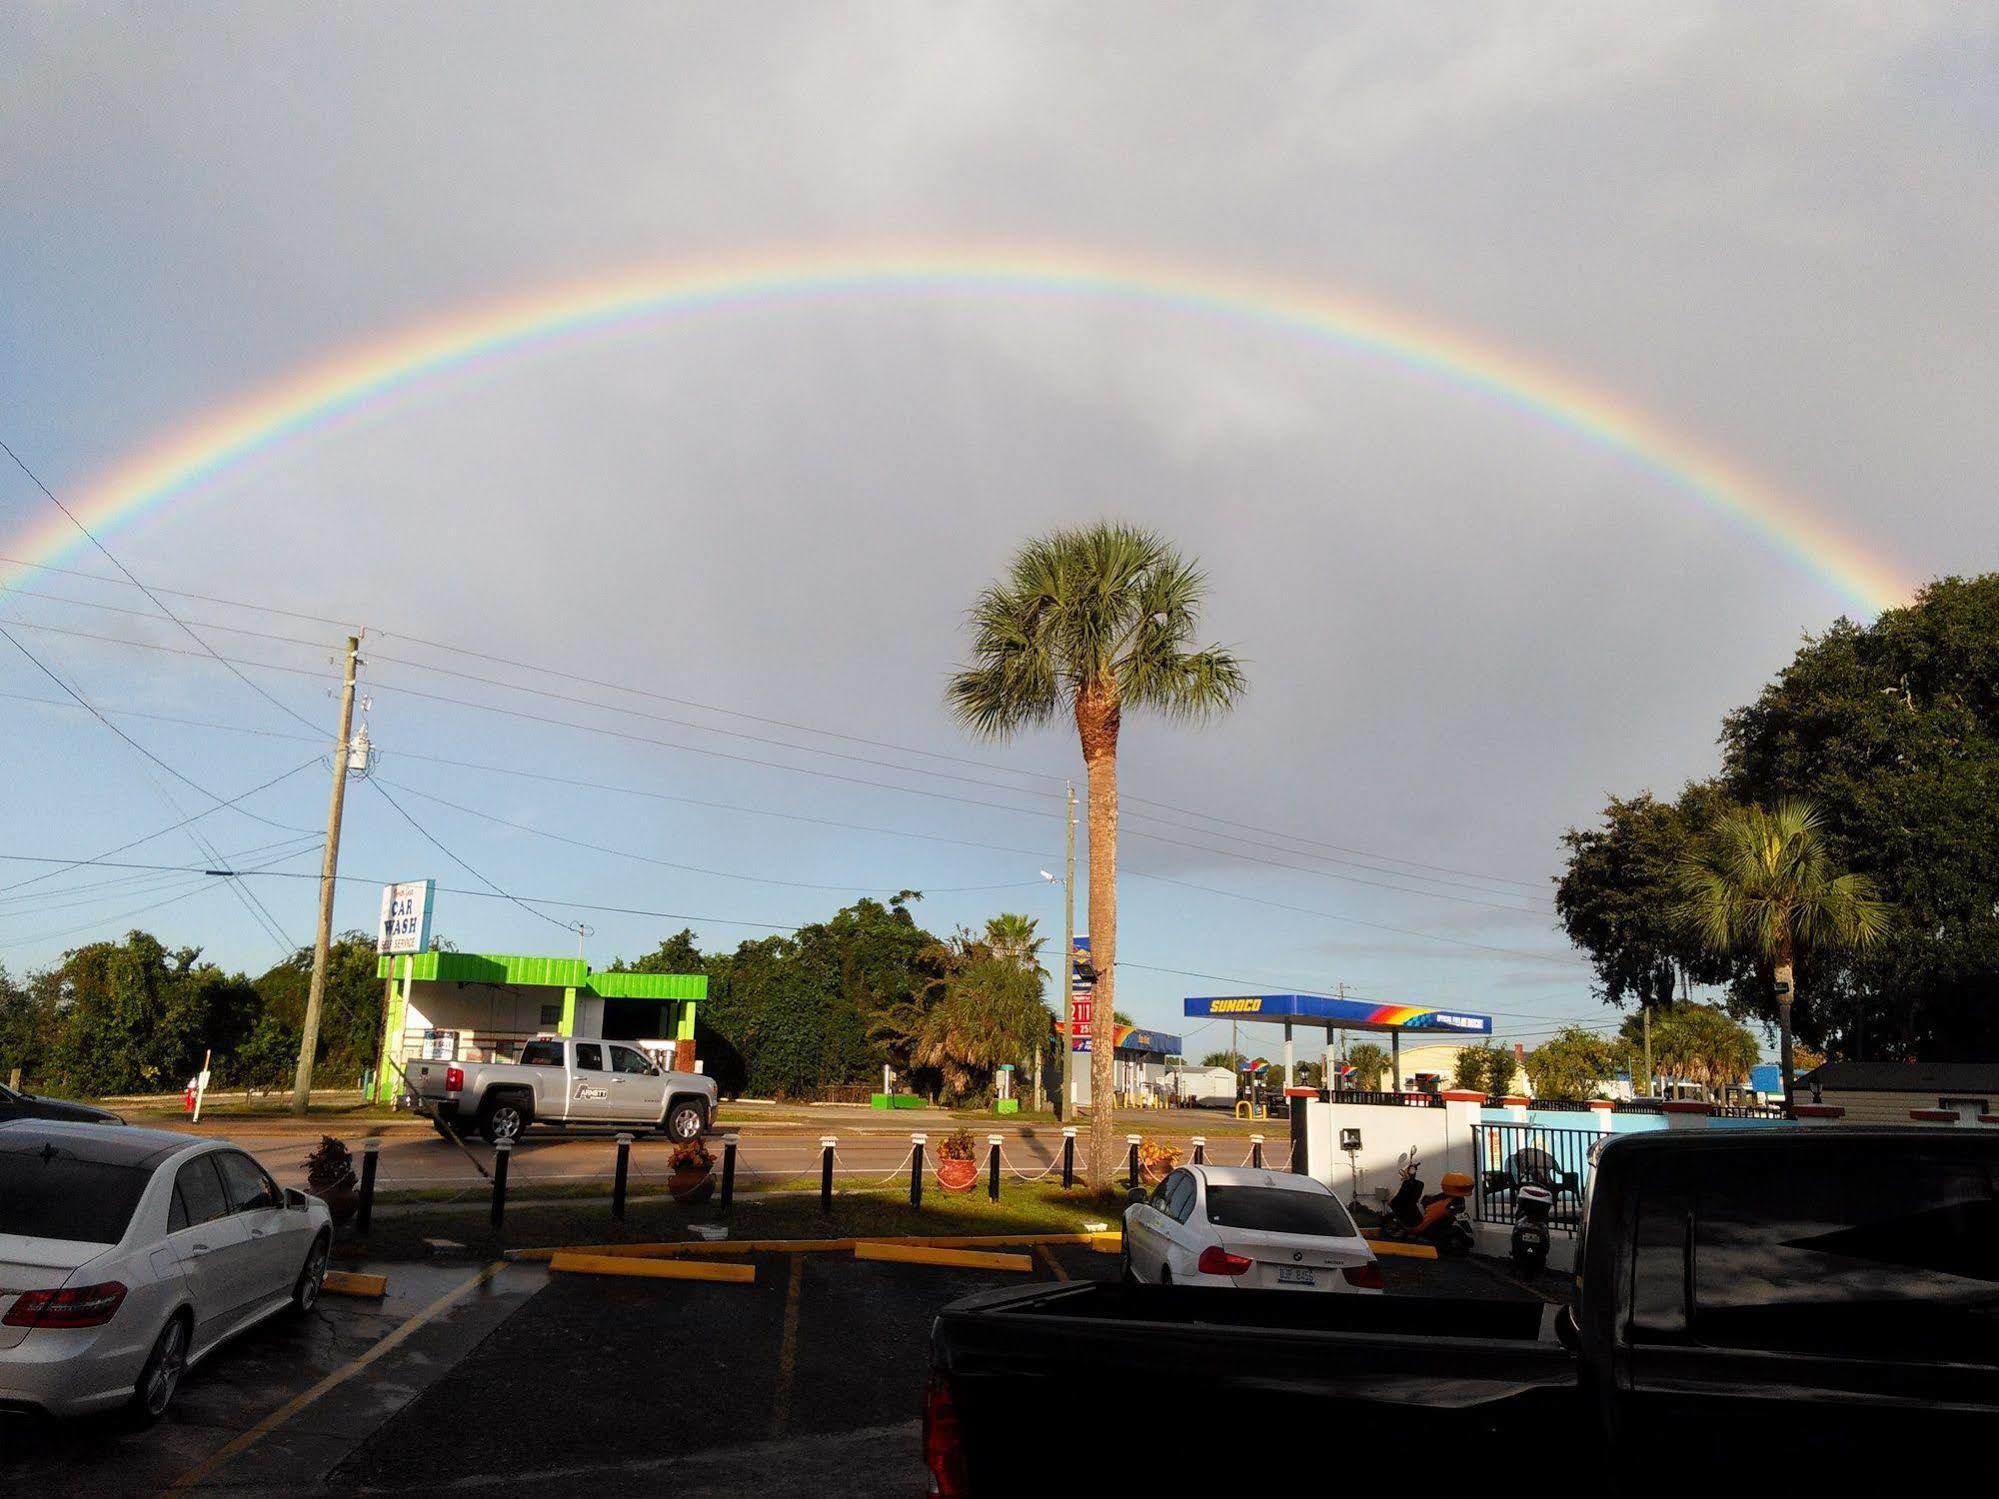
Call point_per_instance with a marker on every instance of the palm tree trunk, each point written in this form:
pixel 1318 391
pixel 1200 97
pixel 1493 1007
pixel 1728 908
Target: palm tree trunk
pixel 1784 997
pixel 1097 720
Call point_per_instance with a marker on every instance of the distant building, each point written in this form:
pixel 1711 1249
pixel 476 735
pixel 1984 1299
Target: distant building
pixel 1885 1092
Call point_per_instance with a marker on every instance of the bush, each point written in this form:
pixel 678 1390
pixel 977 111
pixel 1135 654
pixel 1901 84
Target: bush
pixel 330 1165
pixel 958 1146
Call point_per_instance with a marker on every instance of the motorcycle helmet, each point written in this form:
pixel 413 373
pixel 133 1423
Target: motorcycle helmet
pixel 1456 1184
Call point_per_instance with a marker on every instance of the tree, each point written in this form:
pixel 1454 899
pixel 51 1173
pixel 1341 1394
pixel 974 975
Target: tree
pixel 1229 1059
pixel 1013 937
pixel 1487 1069
pixel 992 1012
pixel 1892 729
pixel 1574 1064
pixel 1095 622
pixel 1703 1044
pixel 1763 884
pixel 1617 898
pixel 1368 1062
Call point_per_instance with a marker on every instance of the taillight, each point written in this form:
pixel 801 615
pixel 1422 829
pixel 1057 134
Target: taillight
pixel 1367 1277
pixel 1216 1260
pixel 943 1440
pixel 79 1306
pixel 454 1079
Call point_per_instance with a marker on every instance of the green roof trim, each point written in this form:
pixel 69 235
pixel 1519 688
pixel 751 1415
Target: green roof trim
pixel 549 973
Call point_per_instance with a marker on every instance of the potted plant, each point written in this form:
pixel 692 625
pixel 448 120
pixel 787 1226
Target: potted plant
pixel 957 1162
pixel 1155 1160
pixel 329 1176
pixel 690 1167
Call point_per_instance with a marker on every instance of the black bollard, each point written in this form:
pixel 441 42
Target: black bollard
pixel 916 1171
pixel 618 1181
pixel 826 1143
pixel 1131 1149
pixel 1068 1159
pixel 728 1172
pixel 1200 1151
pixel 501 1153
pixel 371 1153
pixel 992 1167
pixel 1256 1151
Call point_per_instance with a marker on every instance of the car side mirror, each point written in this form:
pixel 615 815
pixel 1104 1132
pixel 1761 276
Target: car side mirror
pixel 296 1200
pixel 1137 1196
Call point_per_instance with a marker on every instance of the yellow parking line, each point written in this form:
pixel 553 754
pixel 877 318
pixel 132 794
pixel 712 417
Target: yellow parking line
pixel 643 1269
pixel 338 1377
pixel 1107 1243
pixel 787 1351
pixel 918 1254
pixel 1396 1248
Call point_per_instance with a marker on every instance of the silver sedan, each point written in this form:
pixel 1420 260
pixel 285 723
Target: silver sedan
pixel 128 1255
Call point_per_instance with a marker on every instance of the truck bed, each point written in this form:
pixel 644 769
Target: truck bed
pixel 1216 1373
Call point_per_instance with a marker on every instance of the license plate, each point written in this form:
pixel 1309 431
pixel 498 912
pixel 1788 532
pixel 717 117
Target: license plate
pixel 1294 1275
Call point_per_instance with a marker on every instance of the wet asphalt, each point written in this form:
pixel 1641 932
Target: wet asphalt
pixel 807 1382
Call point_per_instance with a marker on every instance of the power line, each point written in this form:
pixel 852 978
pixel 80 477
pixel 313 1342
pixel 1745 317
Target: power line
pixel 435 843
pixel 625 853
pixel 197 888
pixel 91 537
pixel 50 900
pixel 199 624
pixel 178 593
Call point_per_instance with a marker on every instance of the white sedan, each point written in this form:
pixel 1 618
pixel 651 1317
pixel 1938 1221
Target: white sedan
pixel 127 1255
pixel 1244 1226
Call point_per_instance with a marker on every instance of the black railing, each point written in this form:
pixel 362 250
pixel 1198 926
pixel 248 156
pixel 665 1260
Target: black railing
pixel 1746 1111
pixel 1507 1157
pixel 1406 1100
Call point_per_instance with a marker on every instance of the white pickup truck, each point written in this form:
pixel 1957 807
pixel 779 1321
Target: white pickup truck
pixel 564 1081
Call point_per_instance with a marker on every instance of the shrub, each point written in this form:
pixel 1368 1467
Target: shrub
pixel 329 1166
pixel 690 1155
pixel 958 1146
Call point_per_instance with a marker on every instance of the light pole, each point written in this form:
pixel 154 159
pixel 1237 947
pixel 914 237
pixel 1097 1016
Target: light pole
pixel 1068 883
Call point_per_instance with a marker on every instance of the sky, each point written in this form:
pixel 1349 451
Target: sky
pixel 1769 228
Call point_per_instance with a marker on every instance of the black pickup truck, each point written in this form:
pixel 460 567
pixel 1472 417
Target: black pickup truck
pixel 1816 1302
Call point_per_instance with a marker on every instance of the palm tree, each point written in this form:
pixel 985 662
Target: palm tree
pixel 1013 937
pixel 1763 883
pixel 1703 1045
pixel 1093 622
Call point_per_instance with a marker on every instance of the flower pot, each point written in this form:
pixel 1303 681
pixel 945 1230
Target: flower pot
pixel 1152 1176
pixel 341 1199
pixel 956 1175
pixel 691 1185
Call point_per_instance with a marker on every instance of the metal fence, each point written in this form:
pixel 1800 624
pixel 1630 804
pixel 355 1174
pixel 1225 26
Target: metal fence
pixel 1510 1156
pixel 1406 1100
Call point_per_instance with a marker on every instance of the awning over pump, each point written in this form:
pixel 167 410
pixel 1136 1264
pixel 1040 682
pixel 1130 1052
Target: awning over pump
pixel 1338 1014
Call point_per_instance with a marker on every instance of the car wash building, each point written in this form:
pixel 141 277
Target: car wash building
pixel 462 1006
pixel 1323 1013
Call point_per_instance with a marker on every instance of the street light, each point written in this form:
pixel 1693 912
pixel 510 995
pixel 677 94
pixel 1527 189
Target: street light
pixel 1068 884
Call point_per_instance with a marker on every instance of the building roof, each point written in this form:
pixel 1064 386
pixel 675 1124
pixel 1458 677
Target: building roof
pixel 1903 1077
pixel 1347 1014
pixel 549 973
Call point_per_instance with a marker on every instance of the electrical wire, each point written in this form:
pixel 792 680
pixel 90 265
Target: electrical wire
pixel 432 839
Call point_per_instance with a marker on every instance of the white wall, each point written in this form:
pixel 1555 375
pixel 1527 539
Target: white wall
pixel 1441 1137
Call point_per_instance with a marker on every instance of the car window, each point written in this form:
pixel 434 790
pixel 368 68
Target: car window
pixel 624 1059
pixel 542 1054
pixel 176 1211
pixel 1182 1205
pixel 49 1192
pixel 1278 1210
pixel 1890 1253
pixel 200 1191
pixel 1162 1195
pixel 249 1188
pixel 589 1057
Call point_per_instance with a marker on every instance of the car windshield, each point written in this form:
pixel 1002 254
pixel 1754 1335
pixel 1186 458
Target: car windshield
pixel 50 1193
pixel 1276 1211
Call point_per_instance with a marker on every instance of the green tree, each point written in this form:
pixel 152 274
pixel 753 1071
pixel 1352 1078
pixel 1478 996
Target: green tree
pixel 1892 730
pixel 1014 937
pixel 991 1012
pixel 1618 897
pixel 1487 1069
pixel 1229 1059
pixel 1369 1062
pixel 1574 1064
pixel 350 1023
pixel 1763 884
pixel 136 1017
pixel 1705 1045
pixel 1094 622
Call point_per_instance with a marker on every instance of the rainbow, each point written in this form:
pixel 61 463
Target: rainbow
pixel 374 372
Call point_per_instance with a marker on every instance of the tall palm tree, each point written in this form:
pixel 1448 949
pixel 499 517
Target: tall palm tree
pixel 1014 937
pixel 1763 883
pixel 1093 622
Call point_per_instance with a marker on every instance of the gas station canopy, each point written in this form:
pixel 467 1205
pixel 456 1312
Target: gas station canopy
pixel 1338 1014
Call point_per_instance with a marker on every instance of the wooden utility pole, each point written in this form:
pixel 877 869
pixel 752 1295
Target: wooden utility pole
pixel 1645 1020
pixel 329 865
pixel 1069 964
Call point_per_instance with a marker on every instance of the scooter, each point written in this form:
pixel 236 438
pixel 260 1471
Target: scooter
pixel 1410 1214
pixel 1533 1204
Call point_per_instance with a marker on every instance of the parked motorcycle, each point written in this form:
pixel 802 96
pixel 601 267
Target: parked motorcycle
pixel 1437 1219
pixel 1533 1205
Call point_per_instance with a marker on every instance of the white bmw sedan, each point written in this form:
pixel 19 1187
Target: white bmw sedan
pixel 1243 1226
pixel 127 1255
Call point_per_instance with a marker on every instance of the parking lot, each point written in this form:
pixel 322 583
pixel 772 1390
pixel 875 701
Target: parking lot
pixel 498 1377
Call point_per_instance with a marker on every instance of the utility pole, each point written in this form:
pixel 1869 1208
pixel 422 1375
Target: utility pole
pixel 329 864
pixel 1069 964
pixel 1645 1020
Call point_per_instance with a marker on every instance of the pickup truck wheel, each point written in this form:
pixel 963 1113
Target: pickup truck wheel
pixel 685 1120
pixel 503 1120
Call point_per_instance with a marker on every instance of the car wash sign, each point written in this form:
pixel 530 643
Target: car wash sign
pixel 405 924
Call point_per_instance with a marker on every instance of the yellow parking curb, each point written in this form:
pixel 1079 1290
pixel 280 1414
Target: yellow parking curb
pixel 1394 1248
pixel 919 1254
pixel 642 1269
pixel 352 1283
pixel 1105 1243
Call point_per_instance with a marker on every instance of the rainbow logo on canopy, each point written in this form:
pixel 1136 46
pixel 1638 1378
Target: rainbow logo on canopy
pixel 1337 1014
pixel 181 468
